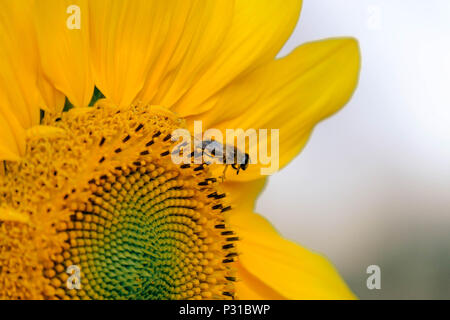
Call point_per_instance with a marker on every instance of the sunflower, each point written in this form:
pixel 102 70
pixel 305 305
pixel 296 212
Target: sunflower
pixel 89 95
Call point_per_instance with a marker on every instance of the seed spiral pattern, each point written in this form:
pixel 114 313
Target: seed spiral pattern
pixel 101 194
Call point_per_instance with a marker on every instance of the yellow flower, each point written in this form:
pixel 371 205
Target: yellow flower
pixel 93 188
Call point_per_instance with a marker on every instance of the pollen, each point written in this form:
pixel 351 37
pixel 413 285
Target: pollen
pixel 106 214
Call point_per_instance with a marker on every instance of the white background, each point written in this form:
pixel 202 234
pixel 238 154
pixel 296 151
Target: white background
pixel 372 185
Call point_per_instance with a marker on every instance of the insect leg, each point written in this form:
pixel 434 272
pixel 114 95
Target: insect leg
pixel 224 173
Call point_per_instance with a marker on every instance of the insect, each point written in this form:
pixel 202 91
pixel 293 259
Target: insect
pixel 224 153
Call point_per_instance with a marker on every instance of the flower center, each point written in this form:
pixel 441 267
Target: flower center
pixel 110 216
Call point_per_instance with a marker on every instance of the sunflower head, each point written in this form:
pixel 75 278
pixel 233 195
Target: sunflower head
pixel 92 205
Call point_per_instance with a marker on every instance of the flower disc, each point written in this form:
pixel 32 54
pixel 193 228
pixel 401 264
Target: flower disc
pixel 101 212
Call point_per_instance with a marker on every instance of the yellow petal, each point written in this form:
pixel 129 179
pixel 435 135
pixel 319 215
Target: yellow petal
pixel 285 267
pixel 7 153
pixel 8 214
pixel 53 99
pixel 12 142
pixel 63 38
pixel 44 132
pixel 212 42
pixel 19 96
pixel 249 287
pixel 291 94
pixel 257 32
pixel 126 39
pixel 243 195
pixel 193 42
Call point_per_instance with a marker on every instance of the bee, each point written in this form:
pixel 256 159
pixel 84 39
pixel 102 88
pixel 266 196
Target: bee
pixel 240 161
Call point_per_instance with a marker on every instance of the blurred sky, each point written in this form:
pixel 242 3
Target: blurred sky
pixel 372 185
